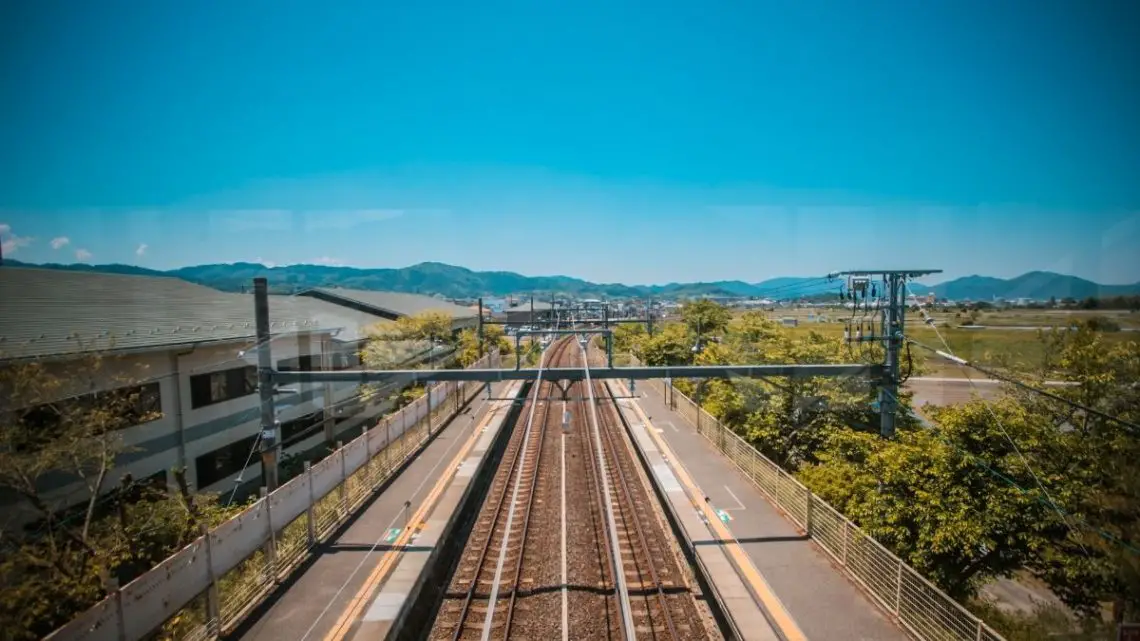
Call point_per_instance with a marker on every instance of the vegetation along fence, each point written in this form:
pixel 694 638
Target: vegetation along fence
pixel 919 607
pixel 208 587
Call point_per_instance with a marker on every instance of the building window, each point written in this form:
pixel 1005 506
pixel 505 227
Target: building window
pixel 306 363
pixel 226 461
pixel 94 413
pixel 301 428
pixel 216 387
pixel 345 360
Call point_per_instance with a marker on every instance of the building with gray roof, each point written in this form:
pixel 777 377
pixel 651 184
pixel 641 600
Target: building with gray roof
pixel 393 305
pixel 183 350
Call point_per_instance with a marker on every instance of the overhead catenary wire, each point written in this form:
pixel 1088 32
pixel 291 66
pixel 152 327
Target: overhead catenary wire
pixel 1133 428
pixel 976 460
pixel 1008 438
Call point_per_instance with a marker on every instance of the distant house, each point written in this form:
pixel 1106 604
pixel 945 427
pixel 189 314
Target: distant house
pixel 521 313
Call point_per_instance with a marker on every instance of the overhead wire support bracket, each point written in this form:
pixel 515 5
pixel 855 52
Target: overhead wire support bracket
pixel 893 325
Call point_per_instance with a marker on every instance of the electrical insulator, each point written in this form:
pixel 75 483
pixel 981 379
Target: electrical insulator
pixel 846 335
pixel 859 333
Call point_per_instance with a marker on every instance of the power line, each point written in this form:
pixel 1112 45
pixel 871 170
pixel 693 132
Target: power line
pixel 1001 427
pixel 980 462
pixel 1133 428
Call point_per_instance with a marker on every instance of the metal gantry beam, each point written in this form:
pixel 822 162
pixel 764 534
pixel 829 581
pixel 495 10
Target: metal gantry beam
pixel 579 373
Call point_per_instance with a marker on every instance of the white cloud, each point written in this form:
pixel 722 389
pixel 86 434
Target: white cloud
pixel 327 261
pixel 59 241
pixel 82 254
pixel 347 219
pixel 246 220
pixel 261 261
pixel 10 242
pixel 142 249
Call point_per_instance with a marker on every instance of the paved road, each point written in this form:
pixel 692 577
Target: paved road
pixel 821 600
pixel 310 604
pixel 950 391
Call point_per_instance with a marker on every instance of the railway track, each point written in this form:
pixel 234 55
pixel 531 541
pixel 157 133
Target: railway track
pixel 567 543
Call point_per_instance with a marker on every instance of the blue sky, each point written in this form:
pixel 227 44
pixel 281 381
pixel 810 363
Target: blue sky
pixel 635 142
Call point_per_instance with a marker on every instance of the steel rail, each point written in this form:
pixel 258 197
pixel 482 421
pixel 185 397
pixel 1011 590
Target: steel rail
pixel 516 459
pixel 629 501
pixel 630 631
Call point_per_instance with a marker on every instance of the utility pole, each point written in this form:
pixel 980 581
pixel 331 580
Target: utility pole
pixel 480 327
pixel 894 281
pixel 269 436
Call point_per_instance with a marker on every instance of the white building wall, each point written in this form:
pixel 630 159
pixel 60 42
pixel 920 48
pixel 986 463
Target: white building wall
pixel 183 433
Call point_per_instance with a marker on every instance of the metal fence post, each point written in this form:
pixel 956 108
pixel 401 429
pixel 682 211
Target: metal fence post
pixel 111 585
pixel 807 513
pixel 343 480
pixel 312 525
pixel 846 535
pixel 898 589
pixel 271 544
pixel 367 454
pixel 387 450
pixel 213 604
pixel 980 628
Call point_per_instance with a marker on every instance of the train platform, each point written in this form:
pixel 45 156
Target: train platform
pixel 330 598
pixel 820 600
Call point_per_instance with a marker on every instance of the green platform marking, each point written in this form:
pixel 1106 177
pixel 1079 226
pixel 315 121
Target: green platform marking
pixel 392 534
pixel 725 517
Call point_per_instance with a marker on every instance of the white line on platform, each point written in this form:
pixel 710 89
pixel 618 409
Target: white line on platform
pixel 739 504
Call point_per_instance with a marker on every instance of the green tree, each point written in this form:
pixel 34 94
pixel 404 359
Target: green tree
pixel 954 501
pixel 629 338
pixel 52 569
pixel 670 346
pixel 494 338
pixel 705 318
pixel 389 345
pixel 1098 456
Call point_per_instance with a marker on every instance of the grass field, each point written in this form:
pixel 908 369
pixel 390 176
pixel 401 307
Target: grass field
pixel 994 318
pixel 981 345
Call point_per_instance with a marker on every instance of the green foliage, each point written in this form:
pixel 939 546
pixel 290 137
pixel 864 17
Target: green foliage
pixel 494 338
pixel 1098 459
pixel 955 501
pixel 958 502
pixel 55 568
pixel 705 318
pixel 629 337
pixel 670 346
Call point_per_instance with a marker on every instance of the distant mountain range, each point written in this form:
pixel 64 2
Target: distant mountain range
pixel 459 282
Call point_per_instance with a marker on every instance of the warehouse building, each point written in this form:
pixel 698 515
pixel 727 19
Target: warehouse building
pixel 184 354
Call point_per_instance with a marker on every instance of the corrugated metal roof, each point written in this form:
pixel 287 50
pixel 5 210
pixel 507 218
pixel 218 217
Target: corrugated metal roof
pixel 539 306
pixel 47 313
pixel 351 323
pixel 394 303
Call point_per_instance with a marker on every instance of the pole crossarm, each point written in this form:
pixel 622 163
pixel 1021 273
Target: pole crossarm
pixel 905 273
pixel 579 373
